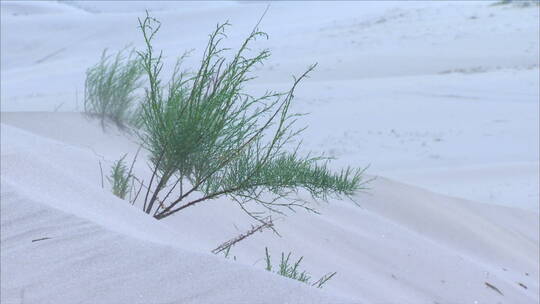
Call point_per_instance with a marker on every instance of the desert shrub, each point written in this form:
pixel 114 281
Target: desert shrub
pixel 120 178
pixel 109 88
pixel 518 3
pixel 290 269
pixel 207 137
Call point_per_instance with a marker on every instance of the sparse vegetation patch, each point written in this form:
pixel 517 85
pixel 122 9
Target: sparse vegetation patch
pixel 110 89
pixel 290 269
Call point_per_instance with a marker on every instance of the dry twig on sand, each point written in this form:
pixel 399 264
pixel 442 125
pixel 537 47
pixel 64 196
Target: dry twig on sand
pixel 265 223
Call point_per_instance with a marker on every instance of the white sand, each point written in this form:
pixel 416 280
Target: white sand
pixel 441 98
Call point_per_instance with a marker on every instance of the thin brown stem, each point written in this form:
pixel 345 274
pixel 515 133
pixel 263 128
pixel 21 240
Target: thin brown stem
pixel 154 173
pixel 265 223
pixel 137 195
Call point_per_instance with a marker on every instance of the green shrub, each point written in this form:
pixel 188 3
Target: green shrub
pixel 292 270
pixel 109 89
pixel 208 137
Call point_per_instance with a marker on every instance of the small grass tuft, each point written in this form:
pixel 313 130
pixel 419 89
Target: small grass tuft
pixel 292 270
pixel 120 178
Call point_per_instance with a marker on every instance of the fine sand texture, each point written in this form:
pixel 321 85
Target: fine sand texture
pixel 439 98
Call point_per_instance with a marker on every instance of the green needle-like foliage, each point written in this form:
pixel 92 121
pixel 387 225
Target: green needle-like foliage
pixel 292 270
pixel 109 89
pixel 208 138
pixel 120 178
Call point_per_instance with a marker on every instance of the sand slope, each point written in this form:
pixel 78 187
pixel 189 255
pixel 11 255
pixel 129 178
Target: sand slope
pixel 402 244
pixel 101 250
pixel 441 98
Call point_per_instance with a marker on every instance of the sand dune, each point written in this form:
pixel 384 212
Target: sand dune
pixel 441 98
pixel 401 244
